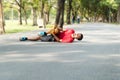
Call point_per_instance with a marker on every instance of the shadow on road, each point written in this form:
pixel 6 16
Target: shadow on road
pixel 97 57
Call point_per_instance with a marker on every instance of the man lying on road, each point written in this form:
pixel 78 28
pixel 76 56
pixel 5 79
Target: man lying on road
pixel 56 35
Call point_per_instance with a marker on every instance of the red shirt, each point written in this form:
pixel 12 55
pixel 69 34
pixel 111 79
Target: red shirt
pixel 66 36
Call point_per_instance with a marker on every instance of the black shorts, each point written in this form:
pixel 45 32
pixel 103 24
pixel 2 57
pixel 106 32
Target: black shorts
pixel 47 38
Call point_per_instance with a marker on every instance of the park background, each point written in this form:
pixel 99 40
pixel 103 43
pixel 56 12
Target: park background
pixel 23 15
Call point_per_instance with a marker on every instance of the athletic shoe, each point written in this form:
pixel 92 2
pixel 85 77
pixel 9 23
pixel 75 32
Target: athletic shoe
pixel 23 39
pixel 42 33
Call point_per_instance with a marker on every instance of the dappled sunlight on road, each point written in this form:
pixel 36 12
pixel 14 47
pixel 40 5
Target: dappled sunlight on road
pixel 98 38
pixel 97 55
pixel 60 57
pixel 14 56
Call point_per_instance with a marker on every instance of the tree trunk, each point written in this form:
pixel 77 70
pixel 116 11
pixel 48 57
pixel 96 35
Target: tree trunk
pixel 60 13
pixel 25 16
pixel 2 30
pixel 20 16
pixel 20 13
pixel 42 8
pixel 19 3
pixel 45 19
pixel 34 17
pixel 118 14
pixel 115 17
pixel 69 7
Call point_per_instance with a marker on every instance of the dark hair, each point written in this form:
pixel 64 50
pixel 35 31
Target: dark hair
pixel 81 37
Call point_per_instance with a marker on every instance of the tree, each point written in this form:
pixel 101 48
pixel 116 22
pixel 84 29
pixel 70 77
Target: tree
pixel 118 11
pixel 2 30
pixel 19 3
pixel 46 13
pixel 42 8
pixel 35 7
pixel 45 8
pixel 23 10
pixel 69 8
pixel 118 14
pixel 60 13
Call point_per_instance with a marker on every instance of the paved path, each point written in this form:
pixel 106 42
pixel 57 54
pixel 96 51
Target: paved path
pixel 97 57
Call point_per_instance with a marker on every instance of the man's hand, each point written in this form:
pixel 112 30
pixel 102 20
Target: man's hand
pixel 60 40
pixel 56 38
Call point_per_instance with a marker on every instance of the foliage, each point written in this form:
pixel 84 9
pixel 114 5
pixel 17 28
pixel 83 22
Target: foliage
pixel 90 10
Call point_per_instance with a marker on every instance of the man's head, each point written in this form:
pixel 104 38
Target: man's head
pixel 78 36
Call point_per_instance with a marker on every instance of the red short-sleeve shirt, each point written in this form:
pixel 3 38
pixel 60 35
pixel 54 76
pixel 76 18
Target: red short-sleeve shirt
pixel 66 36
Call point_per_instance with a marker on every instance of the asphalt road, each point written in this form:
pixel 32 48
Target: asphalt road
pixel 96 57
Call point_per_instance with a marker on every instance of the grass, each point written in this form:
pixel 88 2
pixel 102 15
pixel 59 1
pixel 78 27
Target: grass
pixel 14 27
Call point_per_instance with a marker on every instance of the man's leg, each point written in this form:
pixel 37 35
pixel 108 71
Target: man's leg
pixel 31 38
pixel 34 38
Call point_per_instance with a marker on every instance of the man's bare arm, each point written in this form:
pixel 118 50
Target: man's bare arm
pixel 56 38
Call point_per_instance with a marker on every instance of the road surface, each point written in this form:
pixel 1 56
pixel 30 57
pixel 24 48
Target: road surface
pixel 96 57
